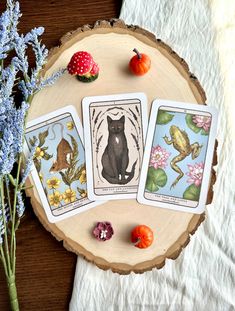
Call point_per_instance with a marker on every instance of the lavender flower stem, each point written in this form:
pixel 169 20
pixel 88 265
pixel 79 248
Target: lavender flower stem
pixel 8 197
pixel 3 259
pixel 16 74
pixel 14 252
pixel 12 180
pixel 5 229
pixel 13 248
pixel 17 224
pixel 17 188
pixel 2 64
pixel 13 292
pixel 26 188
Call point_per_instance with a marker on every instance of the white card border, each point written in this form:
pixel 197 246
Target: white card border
pixel 157 103
pixel 88 150
pixel 34 174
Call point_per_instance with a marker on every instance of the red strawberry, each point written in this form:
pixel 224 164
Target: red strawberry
pixel 83 66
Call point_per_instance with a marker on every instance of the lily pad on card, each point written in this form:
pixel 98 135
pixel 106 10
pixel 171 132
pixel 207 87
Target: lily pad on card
pixel 156 178
pixel 192 193
pixel 164 117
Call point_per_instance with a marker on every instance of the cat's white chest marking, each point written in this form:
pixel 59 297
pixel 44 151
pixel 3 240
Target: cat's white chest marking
pixel 117 140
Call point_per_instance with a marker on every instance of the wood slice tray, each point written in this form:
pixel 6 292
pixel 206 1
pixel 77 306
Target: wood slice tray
pixel 111 44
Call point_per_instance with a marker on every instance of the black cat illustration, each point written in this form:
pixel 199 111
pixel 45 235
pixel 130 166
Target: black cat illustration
pixel 115 158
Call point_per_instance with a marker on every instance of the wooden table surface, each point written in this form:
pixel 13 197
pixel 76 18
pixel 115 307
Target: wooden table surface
pixel 45 270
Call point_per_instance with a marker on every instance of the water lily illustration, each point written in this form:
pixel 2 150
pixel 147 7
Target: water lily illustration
pixel 158 157
pixel 53 183
pixel 69 196
pixel 202 122
pixel 55 198
pixel 70 125
pixel 82 178
pixel 195 174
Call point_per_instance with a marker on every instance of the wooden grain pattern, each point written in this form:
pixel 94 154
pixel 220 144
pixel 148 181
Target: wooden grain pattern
pixel 45 270
pixel 171 69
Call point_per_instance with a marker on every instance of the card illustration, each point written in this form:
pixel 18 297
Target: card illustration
pixel 115 158
pixel 180 141
pixel 114 145
pixel 59 164
pixel 176 154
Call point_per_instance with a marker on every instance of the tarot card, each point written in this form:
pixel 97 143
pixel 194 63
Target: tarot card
pixel 178 156
pixel 115 128
pixel 59 171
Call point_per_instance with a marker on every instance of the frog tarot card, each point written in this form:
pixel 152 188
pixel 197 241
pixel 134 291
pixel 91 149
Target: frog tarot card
pixel 115 127
pixel 58 169
pixel 178 156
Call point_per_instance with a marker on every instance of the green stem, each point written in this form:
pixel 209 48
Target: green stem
pixel 2 65
pixel 14 214
pixel 17 187
pixel 13 292
pixel 8 196
pixel 3 259
pixel 17 224
pixel 14 254
pixel 8 261
pixel 12 180
pixel 26 188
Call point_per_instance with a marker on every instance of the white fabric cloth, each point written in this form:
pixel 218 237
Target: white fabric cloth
pixel 203 277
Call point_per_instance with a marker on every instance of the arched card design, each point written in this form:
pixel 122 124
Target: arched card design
pixel 58 166
pixel 115 128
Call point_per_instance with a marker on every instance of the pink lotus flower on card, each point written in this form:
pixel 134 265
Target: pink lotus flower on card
pixel 158 157
pixel 202 122
pixel 195 173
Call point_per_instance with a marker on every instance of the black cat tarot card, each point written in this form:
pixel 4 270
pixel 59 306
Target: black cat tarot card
pixel 58 169
pixel 115 128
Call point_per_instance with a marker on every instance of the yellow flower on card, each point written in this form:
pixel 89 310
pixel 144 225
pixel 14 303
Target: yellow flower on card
pixel 70 125
pixel 39 153
pixel 53 183
pixel 83 194
pixel 55 198
pixel 82 178
pixel 69 196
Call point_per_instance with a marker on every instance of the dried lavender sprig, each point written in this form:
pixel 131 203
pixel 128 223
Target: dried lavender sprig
pixel 20 207
pixel 8 27
pixel 17 74
pixel 7 218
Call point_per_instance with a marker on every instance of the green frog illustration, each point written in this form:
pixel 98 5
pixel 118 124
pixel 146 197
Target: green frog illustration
pixel 181 143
